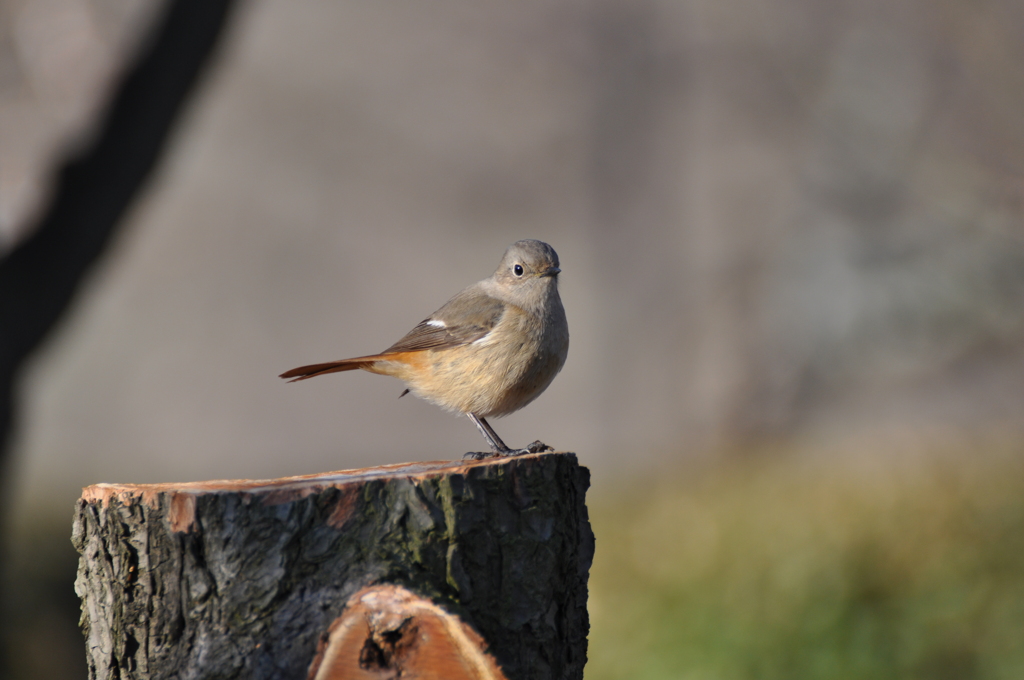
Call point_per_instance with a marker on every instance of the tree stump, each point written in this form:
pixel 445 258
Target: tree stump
pixel 378 573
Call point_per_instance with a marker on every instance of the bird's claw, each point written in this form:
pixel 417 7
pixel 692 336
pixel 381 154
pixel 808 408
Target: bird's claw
pixel 536 447
pixel 479 455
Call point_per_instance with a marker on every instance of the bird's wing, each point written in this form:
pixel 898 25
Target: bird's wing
pixel 467 317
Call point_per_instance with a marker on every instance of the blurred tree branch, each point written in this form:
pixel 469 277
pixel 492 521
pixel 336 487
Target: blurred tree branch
pixel 97 184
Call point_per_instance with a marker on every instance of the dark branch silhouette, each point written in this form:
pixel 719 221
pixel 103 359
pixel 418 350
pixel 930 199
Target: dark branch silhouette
pixel 94 187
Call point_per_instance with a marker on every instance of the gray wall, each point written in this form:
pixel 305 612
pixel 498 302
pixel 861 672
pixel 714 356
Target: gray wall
pixel 776 219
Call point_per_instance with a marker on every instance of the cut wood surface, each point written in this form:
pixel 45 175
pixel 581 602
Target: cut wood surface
pixel 250 578
pixel 387 632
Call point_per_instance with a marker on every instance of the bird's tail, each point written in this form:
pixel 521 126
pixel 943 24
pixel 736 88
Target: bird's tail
pixel 397 364
pixel 313 370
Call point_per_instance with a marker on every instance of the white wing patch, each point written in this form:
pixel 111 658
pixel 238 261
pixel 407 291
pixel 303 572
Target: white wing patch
pixel 436 322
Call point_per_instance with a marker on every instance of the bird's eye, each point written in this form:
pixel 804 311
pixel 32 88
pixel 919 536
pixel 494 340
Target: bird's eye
pixel 518 270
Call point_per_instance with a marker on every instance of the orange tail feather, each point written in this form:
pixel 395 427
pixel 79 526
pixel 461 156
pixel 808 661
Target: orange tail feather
pixel 355 363
pixel 313 370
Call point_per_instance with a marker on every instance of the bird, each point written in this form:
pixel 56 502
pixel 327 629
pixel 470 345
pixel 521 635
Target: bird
pixel 489 351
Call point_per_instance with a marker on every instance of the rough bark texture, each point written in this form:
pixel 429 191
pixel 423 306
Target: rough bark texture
pixel 241 579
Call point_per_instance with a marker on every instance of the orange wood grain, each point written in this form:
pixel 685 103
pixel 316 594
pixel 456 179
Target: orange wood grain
pixel 388 632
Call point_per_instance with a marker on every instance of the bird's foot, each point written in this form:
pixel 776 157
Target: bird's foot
pixel 479 455
pixel 536 447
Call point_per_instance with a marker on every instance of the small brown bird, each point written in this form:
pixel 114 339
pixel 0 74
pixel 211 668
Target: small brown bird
pixel 489 351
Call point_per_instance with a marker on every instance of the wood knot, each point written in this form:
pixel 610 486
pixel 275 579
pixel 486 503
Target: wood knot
pixel 388 632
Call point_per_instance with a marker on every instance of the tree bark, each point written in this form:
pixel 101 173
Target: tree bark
pixel 243 579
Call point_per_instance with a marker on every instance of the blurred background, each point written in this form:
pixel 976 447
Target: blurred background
pixel 792 241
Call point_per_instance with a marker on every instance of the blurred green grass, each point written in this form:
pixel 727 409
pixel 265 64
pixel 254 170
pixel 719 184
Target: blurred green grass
pixel 789 565
pixel 774 564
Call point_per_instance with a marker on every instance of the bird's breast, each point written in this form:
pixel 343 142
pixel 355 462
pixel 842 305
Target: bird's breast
pixel 498 373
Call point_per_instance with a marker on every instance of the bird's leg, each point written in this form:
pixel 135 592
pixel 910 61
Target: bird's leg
pixel 492 438
pixel 499 447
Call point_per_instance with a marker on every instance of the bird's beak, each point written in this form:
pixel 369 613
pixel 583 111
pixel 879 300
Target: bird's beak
pixel 551 271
